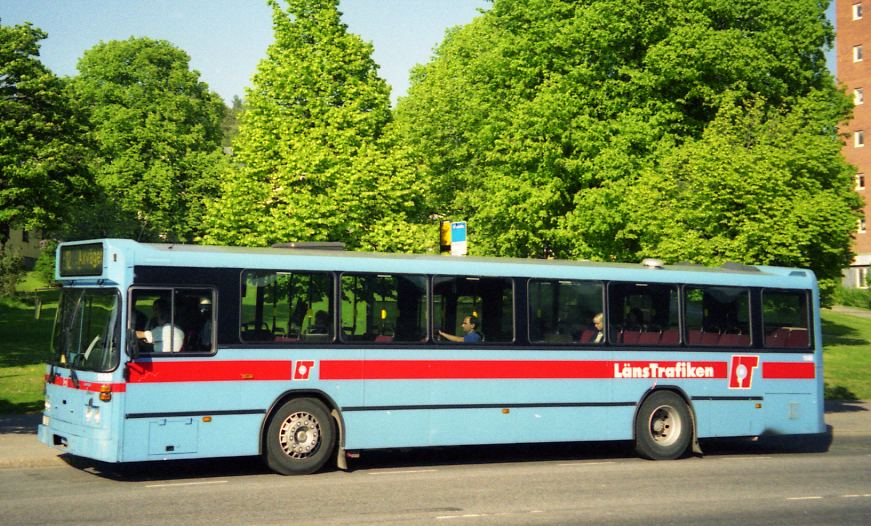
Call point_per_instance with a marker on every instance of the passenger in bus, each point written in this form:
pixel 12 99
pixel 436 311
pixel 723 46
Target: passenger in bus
pixel 634 319
pixel 164 331
pixel 599 324
pixel 205 333
pixel 470 327
pixel 321 323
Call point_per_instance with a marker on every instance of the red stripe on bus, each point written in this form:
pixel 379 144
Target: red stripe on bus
pixel 95 387
pixel 514 370
pixel 209 371
pixel 788 370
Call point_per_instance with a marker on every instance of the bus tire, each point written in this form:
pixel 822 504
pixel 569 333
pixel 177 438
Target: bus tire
pixel 300 438
pixel 663 427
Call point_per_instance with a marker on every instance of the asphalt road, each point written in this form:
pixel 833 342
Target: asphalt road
pixel 739 482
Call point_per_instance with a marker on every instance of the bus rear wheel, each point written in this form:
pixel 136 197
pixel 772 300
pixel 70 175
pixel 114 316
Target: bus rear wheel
pixel 300 438
pixel 663 427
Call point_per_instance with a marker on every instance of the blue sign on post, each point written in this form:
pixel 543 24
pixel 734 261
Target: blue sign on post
pixel 459 246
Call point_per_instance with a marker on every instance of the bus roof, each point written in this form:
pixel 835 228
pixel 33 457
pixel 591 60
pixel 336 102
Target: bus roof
pixel 179 255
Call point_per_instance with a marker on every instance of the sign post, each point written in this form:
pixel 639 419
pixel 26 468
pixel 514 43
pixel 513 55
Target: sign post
pixel 459 246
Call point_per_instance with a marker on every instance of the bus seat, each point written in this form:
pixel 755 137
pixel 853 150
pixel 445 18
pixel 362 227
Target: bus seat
pixel 797 338
pixel 631 337
pixel 649 338
pixel 777 337
pixel 587 336
pixel 669 337
pixel 729 339
pixel 383 338
pixel 710 338
pixel 317 338
pixel 694 337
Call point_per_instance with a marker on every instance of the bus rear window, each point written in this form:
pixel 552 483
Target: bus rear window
pixel 785 316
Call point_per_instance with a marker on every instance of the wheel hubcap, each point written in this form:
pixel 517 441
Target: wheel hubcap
pixel 665 425
pixel 299 435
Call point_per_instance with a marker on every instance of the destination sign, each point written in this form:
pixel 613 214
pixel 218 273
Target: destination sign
pixel 81 260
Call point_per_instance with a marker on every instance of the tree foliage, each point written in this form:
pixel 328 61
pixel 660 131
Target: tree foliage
pixel 699 130
pixel 41 153
pixel 314 158
pixel 157 134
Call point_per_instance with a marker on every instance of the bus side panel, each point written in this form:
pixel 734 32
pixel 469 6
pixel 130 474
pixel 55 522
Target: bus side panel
pixel 480 405
pixel 792 413
pixel 212 414
pixel 793 385
pixel 725 418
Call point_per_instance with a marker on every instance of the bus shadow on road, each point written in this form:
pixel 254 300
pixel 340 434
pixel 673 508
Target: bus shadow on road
pixel 445 456
pixel 405 458
pixel 170 470
pixel 770 444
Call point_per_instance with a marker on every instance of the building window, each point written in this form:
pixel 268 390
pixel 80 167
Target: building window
pixel 863 227
pixel 862 277
pixel 860 181
pixel 857 53
pixel 25 236
pixel 857 11
pixel 858 96
pixel 859 139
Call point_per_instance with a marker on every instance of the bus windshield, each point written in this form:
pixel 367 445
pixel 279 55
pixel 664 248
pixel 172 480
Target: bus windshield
pixel 87 330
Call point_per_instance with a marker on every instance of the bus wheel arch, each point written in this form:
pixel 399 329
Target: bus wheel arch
pixel 664 427
pixel 302 431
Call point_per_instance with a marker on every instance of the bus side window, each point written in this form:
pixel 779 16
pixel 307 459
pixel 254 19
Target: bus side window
pixel 383 308
pixel 195 316
pixel 563 312
pixel 154 320
pixel 717 316
pixel 286 307
pixel 491 300
pixel 643 314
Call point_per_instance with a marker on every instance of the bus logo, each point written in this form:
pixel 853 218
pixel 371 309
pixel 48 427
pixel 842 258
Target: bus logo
pixel 302 369
pixel 741 372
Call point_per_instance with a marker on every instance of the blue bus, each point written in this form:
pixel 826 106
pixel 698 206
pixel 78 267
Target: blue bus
pixel 303 355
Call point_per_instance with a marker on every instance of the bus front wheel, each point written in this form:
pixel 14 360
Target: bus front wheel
pixel 663 427
pixel 300 438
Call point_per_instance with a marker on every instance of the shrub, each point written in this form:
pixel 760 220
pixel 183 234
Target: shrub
pixel 11 271
pixel 853 297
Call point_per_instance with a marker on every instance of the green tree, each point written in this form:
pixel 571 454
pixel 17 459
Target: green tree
pixel 230 123
pixel 41 153
pixel 314 158
pixel 547 124
pixel 157 130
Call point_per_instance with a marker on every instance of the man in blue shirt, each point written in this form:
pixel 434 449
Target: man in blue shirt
pixel 470 327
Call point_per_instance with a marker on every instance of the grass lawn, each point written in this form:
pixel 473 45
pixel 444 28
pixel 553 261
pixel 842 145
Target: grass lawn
pixel 24 347
pixel 846 356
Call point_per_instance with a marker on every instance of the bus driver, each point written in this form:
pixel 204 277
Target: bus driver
pixel 163 331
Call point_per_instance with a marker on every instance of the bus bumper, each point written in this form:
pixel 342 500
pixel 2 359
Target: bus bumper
pixel 70 439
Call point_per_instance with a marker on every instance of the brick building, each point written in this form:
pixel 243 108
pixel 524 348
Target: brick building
pixel 853 63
